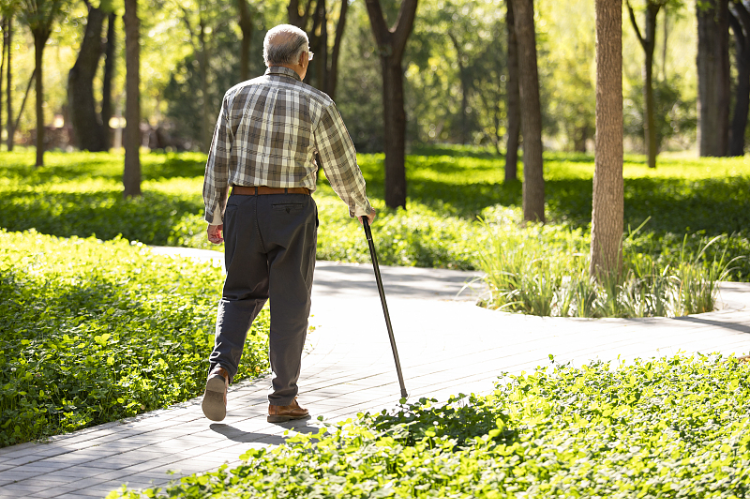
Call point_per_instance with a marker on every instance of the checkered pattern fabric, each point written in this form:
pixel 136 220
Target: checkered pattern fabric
pixel 269 132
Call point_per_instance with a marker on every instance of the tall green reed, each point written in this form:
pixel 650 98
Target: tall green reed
pixel 544 270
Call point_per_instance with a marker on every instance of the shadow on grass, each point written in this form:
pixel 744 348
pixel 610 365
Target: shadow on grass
pixel 106 166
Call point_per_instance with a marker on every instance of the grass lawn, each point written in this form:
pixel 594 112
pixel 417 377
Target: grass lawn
pixel 79 194
pixel 670 428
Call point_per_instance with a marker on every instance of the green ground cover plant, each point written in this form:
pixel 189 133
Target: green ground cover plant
pixel 671 428
pixel 94 331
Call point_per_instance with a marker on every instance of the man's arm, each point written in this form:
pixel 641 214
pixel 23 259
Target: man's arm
pixel 215 182
pixel 339 158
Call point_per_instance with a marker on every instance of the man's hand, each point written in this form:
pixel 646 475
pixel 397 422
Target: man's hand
pixel 370 217
pixel 214 234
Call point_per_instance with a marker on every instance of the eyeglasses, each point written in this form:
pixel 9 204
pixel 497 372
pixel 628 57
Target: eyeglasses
pixel 310 55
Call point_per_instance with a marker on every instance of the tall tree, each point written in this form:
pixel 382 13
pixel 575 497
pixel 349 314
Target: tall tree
pixel 8 9
pixel 9 86
pixel 40 15
pixel 246 16
pixel 648 43
pixel 513 98
pixel 298 14
pixel 318 71
pixel 199 32
pixel 333 61
pixel 109 75
pixel 533 165
pixel 739 21
pixel 391 43
pixel 713 77
pixel 4 27
pixel 463 76
pixel 203 20
pixel 131 177
pixel 323 72
pixel 88 129
pixel 607 212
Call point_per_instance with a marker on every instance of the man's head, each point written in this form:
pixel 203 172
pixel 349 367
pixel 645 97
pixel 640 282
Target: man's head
pixel 288 46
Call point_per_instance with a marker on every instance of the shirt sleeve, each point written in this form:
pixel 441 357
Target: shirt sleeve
pixel 215 182
pixel 339 161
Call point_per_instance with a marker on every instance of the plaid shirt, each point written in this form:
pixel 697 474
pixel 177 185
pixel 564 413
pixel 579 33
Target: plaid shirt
pixel 268 134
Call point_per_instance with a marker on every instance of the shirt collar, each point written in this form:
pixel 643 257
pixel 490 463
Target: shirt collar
pixel 282 71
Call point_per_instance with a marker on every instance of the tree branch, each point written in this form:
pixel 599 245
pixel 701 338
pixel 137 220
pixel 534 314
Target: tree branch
pixel 191 33
pixel 379 28
pixel 306 15
pixel 734 23
pixel 743 15
pixel 404 24
pixel 635 25
pixel 23 102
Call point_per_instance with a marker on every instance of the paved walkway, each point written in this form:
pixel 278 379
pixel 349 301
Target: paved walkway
pixel 447 346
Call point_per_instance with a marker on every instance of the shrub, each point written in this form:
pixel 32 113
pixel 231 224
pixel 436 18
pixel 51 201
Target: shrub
pixel 95 331
pixel 672 427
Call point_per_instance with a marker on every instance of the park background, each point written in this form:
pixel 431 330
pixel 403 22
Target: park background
pixel 96 327
pixel 455 72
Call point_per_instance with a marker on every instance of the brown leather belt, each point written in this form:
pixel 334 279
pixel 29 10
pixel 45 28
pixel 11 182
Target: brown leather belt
pixel 254 191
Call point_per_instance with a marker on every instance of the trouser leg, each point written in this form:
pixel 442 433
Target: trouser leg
pixel 289 229
pixel 246 285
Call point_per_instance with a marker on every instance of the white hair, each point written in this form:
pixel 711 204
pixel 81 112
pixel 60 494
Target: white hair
pixel 291 47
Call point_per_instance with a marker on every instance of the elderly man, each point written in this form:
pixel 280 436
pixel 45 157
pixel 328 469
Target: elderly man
pixel 269 132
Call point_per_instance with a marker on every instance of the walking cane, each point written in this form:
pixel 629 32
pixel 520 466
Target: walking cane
pixel 379 280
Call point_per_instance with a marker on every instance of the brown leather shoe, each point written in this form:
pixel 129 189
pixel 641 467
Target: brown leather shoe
pixel 281 413
pixel 215 397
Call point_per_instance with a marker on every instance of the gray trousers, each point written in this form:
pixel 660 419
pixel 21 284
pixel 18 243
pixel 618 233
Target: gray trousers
pixel 270 243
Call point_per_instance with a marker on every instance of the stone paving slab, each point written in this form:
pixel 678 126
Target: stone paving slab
pixel 446 344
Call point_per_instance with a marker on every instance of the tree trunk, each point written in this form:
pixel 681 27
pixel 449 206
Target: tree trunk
pixel 206 126
pixel 9 90
pixel 2 66
pixel 533 166
pixel 607 212
pixel 391 44
pixel 295 17
pixel 740 24
pixel 109 74
pixel 333 70
pixel 648 43
pixel 649 131
pixel 323 71
pixel 514 99
pixel 581 136
pixel 246 26
pixel 394 118
pixel 664 47
pixel 131 177
pixel 713 77
pixel 316 74
pixel 40 39
pixel 88 128
pixel 464 88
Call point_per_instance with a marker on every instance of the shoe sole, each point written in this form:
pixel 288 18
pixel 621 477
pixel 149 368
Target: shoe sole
pixel 213 400
pixel 284 419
